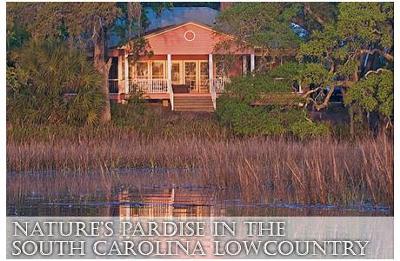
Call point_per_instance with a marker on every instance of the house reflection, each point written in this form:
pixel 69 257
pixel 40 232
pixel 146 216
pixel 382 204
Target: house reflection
pixel 167 203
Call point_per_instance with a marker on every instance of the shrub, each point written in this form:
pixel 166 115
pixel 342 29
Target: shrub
pixel 129 114
pixel 305 129
pixel 374 93
pixel 276 116
pixel 44 72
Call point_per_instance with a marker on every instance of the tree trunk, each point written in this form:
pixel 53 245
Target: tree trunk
pixel 103 68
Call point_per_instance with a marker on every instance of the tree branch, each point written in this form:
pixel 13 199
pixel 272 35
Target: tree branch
pixel 387 56
pixel 311 92
pixel 376 72
pixel 326 100
pixel 307 8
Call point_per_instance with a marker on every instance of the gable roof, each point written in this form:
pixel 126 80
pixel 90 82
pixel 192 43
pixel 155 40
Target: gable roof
pixel 174 27
pixel 171 17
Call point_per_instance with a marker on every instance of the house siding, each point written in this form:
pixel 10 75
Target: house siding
pixel 174 42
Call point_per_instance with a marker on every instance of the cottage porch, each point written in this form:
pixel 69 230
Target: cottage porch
pixel 183 67
pixel 173 78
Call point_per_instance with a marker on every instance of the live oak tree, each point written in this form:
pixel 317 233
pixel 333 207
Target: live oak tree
pixel 332 53
pixel 264 26
pixel 84 25
pixel 268 27
pixel 336 53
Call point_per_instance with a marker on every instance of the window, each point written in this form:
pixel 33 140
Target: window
pixel 142 70
pixel 157 70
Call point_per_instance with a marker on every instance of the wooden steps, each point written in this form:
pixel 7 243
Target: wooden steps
pixel 201 102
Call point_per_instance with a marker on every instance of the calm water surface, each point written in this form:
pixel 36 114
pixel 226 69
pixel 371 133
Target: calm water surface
pixel 162 200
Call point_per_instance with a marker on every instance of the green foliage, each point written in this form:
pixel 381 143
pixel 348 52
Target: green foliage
pixel 289 71
pixel 366 21
pixel 374 93
pixel 44 72
pixel 249 88
pixel 131 113
pixel 235 109
pixel 306 129
pixel 245 120
pixel 16 36
pixel 260 24
pixel 320 45
pixel 315 74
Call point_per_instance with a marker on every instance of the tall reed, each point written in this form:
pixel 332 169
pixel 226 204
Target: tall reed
pixel 258 169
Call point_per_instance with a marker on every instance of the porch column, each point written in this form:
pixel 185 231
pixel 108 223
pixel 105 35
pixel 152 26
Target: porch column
pixel 126 74
pixel 169 71
pixel 213 91
pixel 210 68
pixel 244 64
pixel 120 76
pixel 252 62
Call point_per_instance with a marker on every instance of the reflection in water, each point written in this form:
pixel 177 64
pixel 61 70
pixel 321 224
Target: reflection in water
pixel 167 203
pixel 174 202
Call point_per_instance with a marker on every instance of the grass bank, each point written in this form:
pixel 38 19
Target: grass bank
pixel 271 169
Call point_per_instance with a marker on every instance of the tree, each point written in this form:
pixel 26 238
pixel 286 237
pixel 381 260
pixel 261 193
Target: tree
pixel 43 72
pixel 374 93
pixel 265 26
pixel 342 47
pixel 261 105
pixel 82 24
pixel 361 28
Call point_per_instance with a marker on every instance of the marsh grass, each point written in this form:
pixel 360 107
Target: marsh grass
pixel 192 149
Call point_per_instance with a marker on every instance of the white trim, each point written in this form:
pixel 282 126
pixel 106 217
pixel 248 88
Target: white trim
pixel 189 31
pixel 169 68
pixel 210 67
pixel 211 82
pixel 179 26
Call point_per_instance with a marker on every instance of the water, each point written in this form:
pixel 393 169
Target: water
pixel 175 202
pixel 151 192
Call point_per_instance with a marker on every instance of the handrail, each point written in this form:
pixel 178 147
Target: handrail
pixel 213 93
pixel 171 94
pixel 219 84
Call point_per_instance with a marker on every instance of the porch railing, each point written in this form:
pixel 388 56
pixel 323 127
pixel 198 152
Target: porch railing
pixel 149 85
pixel 219 84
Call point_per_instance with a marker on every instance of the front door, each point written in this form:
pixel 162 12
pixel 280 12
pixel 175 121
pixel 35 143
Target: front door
pixel 196 76
pixel 203 77
pixel 191 75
